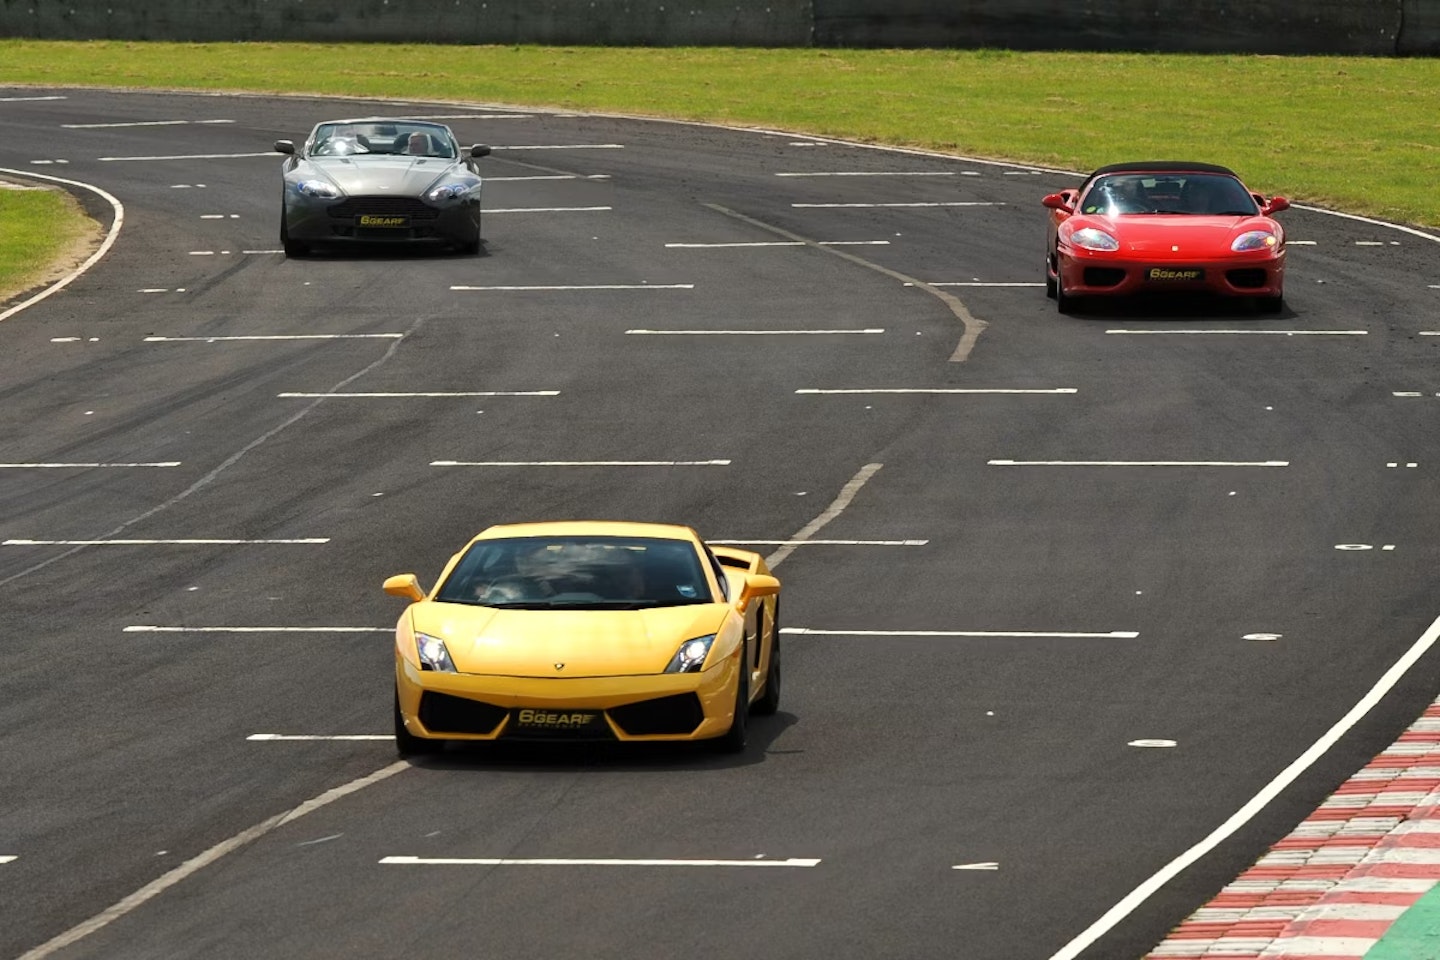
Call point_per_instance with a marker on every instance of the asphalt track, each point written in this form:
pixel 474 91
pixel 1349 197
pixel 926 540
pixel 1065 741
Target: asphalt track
pixel 895 758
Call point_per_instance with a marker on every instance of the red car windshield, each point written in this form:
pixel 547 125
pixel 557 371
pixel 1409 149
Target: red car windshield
pixel 1200 194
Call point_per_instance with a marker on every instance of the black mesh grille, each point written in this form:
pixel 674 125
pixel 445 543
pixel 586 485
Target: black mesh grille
pixel 680 713
pixel 1250 278
pixel 442 713
pixel 1103 276
pixel 384 207
pixel 732 562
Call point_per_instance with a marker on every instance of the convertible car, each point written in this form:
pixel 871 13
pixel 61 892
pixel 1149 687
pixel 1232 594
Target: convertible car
pixel 587 631
pixel 379 180
pixel 1164 227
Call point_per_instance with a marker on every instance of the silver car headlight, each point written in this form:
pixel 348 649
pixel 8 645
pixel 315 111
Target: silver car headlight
pixel 433 655
pixel 449 191
pixel 320 189
pixel 1254 240
pixel 1093 239
pixel 691 655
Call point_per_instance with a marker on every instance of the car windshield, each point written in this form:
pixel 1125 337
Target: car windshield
pixel 591 573
pixel 1203 194
pixel 382 138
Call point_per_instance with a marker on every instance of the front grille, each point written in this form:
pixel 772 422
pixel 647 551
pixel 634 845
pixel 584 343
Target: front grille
pixel 442 713
pixel 1103 276
pixel 680 713
pixel 1250 278
pixel 410 207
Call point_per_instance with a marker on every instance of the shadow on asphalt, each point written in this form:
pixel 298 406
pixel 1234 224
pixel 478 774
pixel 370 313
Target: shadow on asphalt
pixel 390 252
pixel 1153 308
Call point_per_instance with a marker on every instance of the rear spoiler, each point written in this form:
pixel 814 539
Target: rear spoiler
pixel 745 560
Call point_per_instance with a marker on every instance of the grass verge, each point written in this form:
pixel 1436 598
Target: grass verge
pixel 43 233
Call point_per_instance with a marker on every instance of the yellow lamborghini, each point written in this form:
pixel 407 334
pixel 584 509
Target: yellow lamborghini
pixel 587 631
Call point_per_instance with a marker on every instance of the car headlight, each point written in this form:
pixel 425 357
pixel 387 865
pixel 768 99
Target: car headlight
pixel 321 189
pixel 1093 239
pixel 433 655
pixel 449 191
pixel 1254 240
pixel 691 655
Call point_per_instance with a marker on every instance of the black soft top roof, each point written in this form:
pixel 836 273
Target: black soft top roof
pixel 1162 166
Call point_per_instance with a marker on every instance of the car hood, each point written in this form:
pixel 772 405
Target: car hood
pixel 402 176
pixel 1157 235
pixel 583 643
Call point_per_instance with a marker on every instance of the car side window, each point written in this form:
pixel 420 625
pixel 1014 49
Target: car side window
pixel 719 573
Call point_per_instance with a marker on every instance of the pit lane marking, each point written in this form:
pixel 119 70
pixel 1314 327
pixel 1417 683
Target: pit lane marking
pixel 302 541
pixel 1251 333
pixel 188 156
pixel 588 862
pixel 941 390
pixel 138 123
pixel 394 396
pixel 940 634
pixel 276 336
pixel 777 243
pixel 852 206
pixel 600 286
pixel 83 466
pixel 1138 463
pixel 580 463
pixel 749 333
pixel 876 173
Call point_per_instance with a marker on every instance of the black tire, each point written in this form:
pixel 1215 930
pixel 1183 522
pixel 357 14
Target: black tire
pixel 1270 304
pixel 407 744
pixel 293 248
pixel 469 247
pixel 1064 303
pixel 733 740
pixel 769 701
pixel 1049 281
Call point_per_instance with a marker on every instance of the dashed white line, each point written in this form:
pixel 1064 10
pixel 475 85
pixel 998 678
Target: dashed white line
pixel 550 210
pixel 28 99
pixel 943 390
pixel 1017 634
pixel 189 156
pixel 8 859
pixel 219 216
pixel 579 463
pixel 824 543
pixel 599 286
pixel 1251 333
pixel 564 146
pixel 986 283
pixel 152 543
pixel 947 203
pixel 550 176
pixel 777 243
pixel 1139 463
pixel 275 336
pixel 874 173
pixel 988 865
pixel 750 333
pixel 1300 243
pixel 268 737
pixel 585 862
pixel 261 251
pixel 150 628
pixel 86 466
pixel 392 396
pixel 139 123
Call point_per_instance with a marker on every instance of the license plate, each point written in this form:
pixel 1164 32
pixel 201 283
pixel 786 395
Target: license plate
pixel 376 220
pixel 1174 274
pixel 536 722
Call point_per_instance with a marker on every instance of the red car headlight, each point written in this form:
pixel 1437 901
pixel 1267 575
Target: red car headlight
pixel 1091 238
pixel 1255 240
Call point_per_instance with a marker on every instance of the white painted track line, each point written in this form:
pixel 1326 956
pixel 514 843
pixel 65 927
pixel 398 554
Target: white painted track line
pixel 268 737
pixel 1018 634
pixel 564 146
pixel 597 862
pixel 138 123
pixel 852 488
pixel 598 286
pixel 190 156
pixel 392 396
pixel 273 336
pixel 866 206
pixel 824 543
pixel 71 466
pixel 306 541
pixel 8 859
pixel 550 176
pixel 1138 463
pixel 1250 333
pixel 987 283
pixel 147 628
pixel 943 390
pixel 27 99
pixel 776 243
pixel 874 173
pixel 749 333
pixel 579 463
pixel 548 210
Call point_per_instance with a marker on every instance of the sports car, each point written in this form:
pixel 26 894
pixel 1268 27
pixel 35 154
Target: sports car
pixel 379 180
pixel 1164 227
pixel 587 631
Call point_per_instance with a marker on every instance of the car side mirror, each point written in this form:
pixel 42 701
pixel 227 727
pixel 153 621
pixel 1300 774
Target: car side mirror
pixel 404 585
pixel 285 146
pixel 757 585
pixel 1275 205
pixel 479 150
pixel 1059 201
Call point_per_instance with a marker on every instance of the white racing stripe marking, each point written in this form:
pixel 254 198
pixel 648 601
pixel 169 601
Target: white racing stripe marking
pixel 138 123
pixel 948 203
pixel 1138 463
pixel 748 333
pixel 550 210
pixel 27 99
pixel 1252 333
pixel 565 146
pixel 825 543
pixel 600 286
pixel 1018 634
pixel 274 336
pixel 301 736
pixel 148 628
pixel 596 862
pixel 580 463
pixel 305 541
pixel 168 879
pixel 71 466
pixel 978 390
pixel 836 507
pixel 778 243
pixel 874 173
pixel 392 396
pixel 191 156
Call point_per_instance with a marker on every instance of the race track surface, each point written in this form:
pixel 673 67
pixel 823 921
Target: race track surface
pixel 972 646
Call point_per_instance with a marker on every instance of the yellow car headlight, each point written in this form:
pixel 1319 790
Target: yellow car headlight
pixel 433 654
pixel 691 655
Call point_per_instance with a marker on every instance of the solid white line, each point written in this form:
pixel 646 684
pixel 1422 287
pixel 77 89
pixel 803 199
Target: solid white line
pixel 1021 634
pixel 566 146
pixel 285 336
pixel 146 628
pixel 988 283
pixel 746 333
pixel 1138 463
pixel 949 203
pixel 777 243
pixel 65 466
pixel 90 261
pixel 294 736
pixel 388 396
pixel 137 123
pixel 27 99
pixel 580 463
pixel 830 543
pixel 1379 223
pixel 873 173
pixel 1257 803
pixel 1255 333
pixel 1054 390
pixel 170 878
pixel 192 156
pixel 153 543
pixel 836 507
pixel 550 210
pixel 603 286
pixel 597 862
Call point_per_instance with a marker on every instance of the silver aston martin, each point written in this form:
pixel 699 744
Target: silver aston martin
pixel 382 180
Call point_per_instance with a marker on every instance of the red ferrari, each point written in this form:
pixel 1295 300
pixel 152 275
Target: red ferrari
pixel 1164 227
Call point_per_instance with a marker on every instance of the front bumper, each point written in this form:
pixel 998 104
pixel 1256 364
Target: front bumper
pixel 1090 274
pixel 453 706
pixel 379 220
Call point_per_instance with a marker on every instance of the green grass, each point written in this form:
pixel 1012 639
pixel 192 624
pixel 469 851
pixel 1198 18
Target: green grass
pixel 37 228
